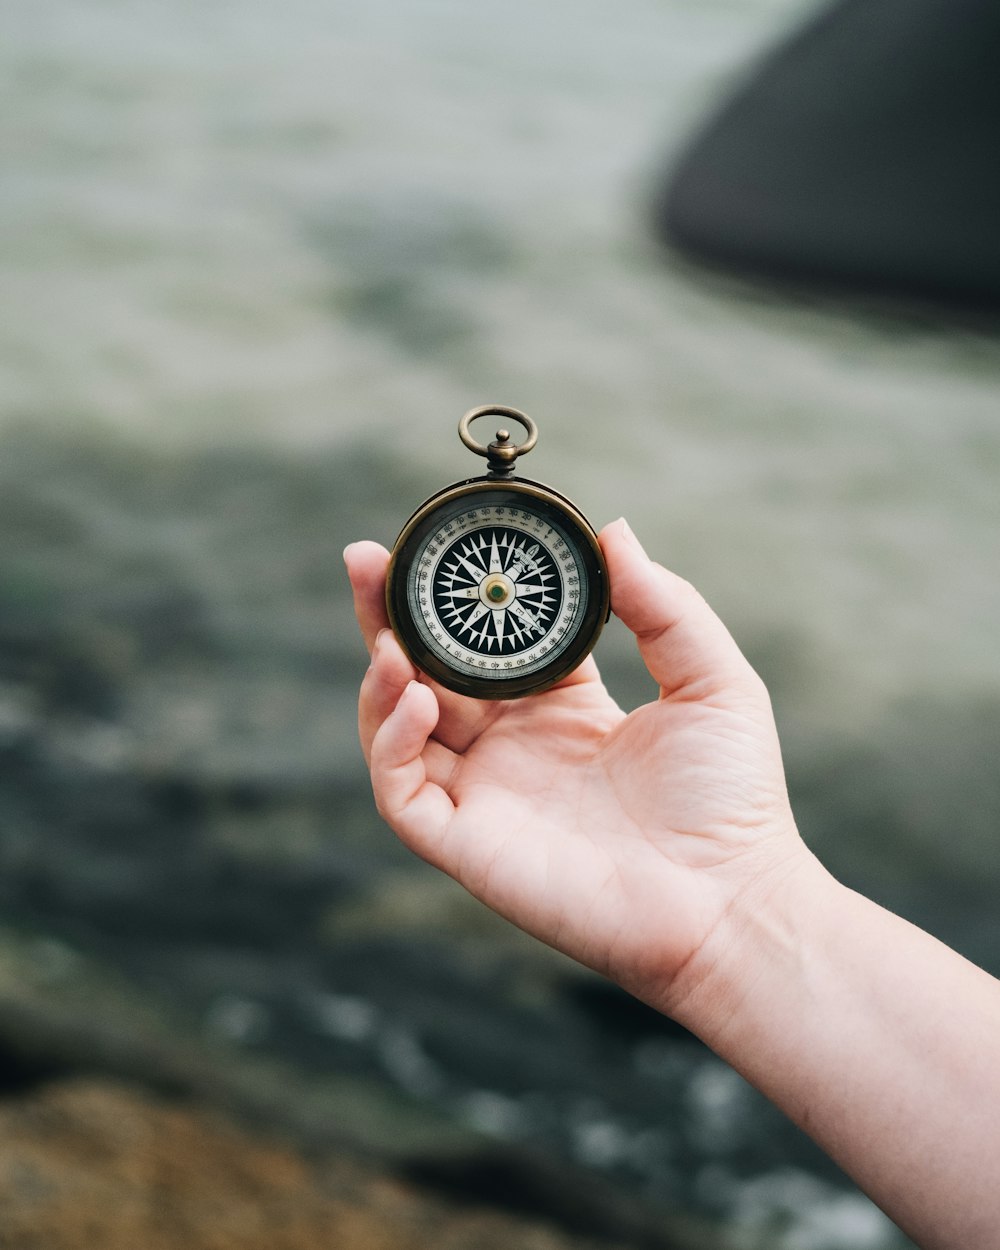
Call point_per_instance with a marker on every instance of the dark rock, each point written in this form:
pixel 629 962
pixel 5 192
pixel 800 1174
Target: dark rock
pixel 861 156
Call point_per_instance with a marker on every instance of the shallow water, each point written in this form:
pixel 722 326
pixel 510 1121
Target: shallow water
pixel 254 264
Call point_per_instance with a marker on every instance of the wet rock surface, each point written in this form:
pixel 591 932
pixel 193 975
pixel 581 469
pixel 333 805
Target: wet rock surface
pixel 207 1145
pixel 87 1163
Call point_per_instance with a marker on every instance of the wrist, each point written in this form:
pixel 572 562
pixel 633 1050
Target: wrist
pixel 764 936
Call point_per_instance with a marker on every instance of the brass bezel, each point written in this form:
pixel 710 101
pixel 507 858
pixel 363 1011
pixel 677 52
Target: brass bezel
pixel 595 616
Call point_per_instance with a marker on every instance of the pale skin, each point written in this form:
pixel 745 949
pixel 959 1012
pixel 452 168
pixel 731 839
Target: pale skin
pixel 659 848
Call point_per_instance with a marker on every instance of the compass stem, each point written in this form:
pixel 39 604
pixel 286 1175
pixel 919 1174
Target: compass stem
pixel 501 456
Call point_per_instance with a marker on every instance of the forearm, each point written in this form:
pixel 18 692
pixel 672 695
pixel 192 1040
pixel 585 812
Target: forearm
pixel 877 1040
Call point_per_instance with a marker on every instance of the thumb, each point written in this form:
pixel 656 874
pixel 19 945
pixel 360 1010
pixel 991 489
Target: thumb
pixel 685 646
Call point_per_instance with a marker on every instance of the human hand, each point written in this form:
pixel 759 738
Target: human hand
pixel 659 849
pixel 621 840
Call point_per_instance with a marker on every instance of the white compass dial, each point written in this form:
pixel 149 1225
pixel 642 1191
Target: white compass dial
pixel 497 591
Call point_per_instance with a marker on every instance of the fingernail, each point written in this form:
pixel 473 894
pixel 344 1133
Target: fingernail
pixel 348 549
pixel 630 537
pixel 380 637
pixel 407 694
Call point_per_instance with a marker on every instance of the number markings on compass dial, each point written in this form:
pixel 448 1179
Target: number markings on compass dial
pixel 499 591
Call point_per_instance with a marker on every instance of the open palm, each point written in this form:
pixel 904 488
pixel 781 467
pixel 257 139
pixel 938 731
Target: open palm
pixel 620 840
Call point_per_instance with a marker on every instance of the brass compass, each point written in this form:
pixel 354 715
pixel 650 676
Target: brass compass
pixel 497 587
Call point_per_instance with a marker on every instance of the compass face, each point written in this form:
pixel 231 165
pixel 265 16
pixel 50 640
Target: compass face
pixel 497 592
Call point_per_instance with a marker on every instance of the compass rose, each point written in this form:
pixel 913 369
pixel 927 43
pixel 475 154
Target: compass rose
pixel 497 591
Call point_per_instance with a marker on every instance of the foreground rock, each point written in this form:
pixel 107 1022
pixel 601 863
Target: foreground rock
pixel 92 1163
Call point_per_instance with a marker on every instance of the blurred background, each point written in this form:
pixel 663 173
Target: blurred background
pixel 255 262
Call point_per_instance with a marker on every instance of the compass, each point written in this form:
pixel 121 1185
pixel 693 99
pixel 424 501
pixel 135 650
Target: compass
pixel 497 586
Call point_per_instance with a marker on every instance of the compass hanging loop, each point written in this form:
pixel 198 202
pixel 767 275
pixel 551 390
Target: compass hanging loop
pixel 501 454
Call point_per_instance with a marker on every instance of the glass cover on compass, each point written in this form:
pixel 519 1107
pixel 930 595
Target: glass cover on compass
pixel 497 588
